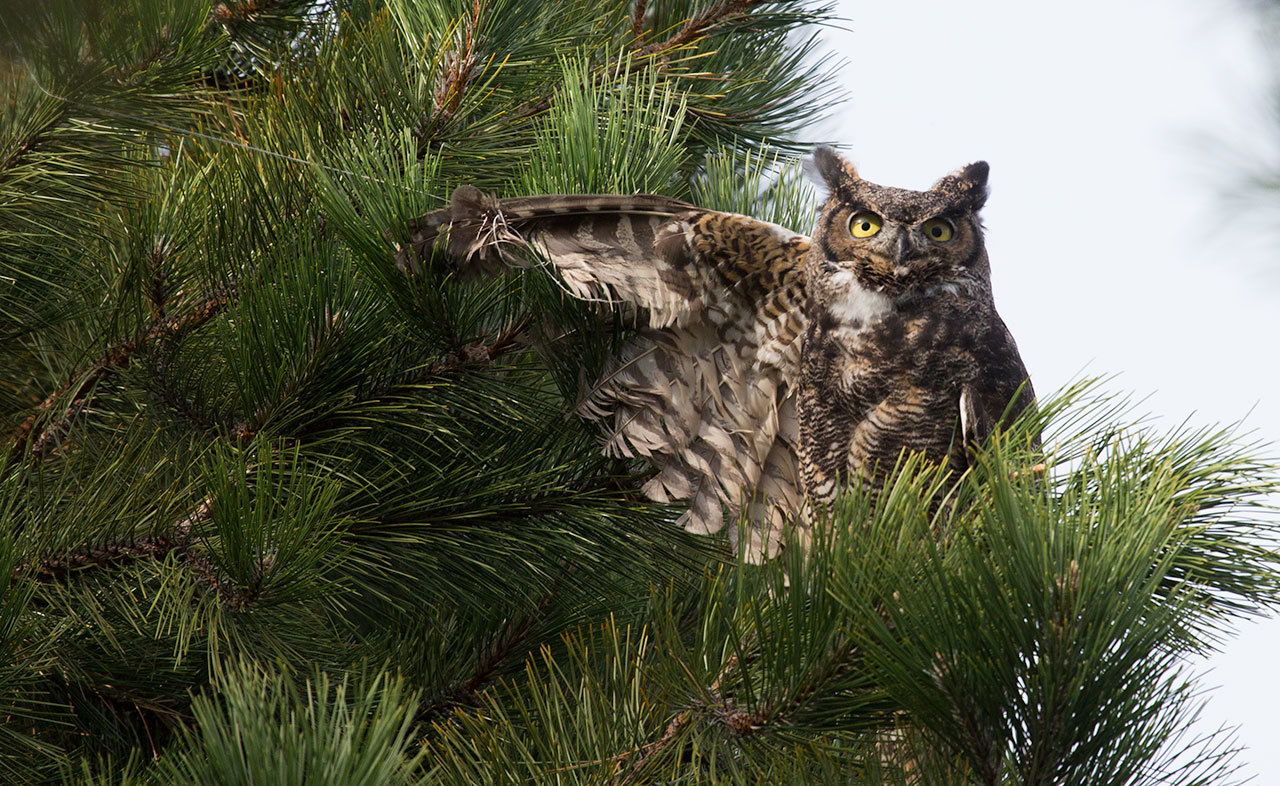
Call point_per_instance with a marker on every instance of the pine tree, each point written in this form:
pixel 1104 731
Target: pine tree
pixel 276 511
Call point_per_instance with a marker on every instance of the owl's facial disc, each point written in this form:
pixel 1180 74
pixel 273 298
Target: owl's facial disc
pixel 897 243
pixel 896 258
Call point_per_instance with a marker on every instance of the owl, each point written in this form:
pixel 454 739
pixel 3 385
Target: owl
pixel 772 369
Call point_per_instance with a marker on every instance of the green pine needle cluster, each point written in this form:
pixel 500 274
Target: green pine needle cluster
pixel 275 510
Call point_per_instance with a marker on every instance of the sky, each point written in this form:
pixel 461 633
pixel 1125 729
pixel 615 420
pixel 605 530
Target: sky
pixel 1114 131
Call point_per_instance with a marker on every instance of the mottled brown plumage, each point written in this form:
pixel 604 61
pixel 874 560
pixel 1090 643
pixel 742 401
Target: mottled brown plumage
pixel 773 367
pixel 904 349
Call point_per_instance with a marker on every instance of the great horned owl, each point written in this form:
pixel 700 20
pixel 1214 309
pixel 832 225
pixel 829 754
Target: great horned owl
pixel 773 368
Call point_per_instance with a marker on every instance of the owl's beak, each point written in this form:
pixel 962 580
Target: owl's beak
pixel 905 251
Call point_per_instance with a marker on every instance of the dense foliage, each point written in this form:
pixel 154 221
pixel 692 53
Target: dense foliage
pixel 273 510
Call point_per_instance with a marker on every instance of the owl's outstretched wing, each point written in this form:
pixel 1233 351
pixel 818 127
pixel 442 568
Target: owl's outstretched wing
pixel 706 390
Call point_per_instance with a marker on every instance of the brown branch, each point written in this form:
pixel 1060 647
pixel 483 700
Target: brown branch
pixel 457 71
pixel 735 719
pixel 34 141
pixel 647 751
pixel 157 294
pixel 721 709
pixel 115 357
pixel 16 155
pixel 123 72
pixel 467 692
pixel 111 555
pixel 460 66
pixel 701 23
pixel 629 766
pixel 695 27
pixel 233 597
pixel 171 394
pixel 242 12
pixel 637 19
pixel 127 706
pixel 507 339
pixel 56 569
pixel 477 353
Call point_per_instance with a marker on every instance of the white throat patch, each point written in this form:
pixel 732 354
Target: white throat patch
pixel 857 304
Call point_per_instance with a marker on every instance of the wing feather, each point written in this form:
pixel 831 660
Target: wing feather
pixel 998 395
pixel 706 391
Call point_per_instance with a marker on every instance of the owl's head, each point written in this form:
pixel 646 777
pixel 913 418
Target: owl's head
pixel 894 243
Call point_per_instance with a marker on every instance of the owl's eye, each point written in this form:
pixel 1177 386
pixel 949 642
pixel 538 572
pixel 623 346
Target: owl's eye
pixel 939 230
pixel 865 224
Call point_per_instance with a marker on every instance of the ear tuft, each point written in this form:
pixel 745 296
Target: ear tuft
pixel 976 175
pixel 967 185
pixel 827 168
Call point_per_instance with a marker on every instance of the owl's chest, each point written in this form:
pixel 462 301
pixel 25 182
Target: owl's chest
pixel 870 360
pixel 870 391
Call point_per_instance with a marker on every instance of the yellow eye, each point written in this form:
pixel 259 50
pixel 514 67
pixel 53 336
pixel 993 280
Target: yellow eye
pixel 939 230
pixel 865 224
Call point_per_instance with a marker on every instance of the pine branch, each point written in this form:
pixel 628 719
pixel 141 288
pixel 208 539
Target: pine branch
pixel 637 19
pixel 116 357
pixel 241 12
pixel 736 720
pixel 111 555
pixel 129 709
pixel 475 355
pixel 701 24
pixel 487 669
pixel 479 353
pixel 178 543
pixel 33 142
pixel 157 294
pixel 460 66
pixel 122 73
pixel 458 69
pixel 115 554
pixel 696 27
pixel 630 764
pixel 177 404
pixel 232 597
pixel 249 12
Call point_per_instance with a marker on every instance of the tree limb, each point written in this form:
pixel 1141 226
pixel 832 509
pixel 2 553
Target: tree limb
pixel 81 385
pixel 488 667
pixel 695 27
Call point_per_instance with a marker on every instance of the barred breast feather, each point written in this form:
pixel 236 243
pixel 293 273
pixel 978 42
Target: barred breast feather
pixel 706 391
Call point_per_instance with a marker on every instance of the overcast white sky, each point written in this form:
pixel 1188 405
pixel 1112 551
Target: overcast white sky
pixel 1111 247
